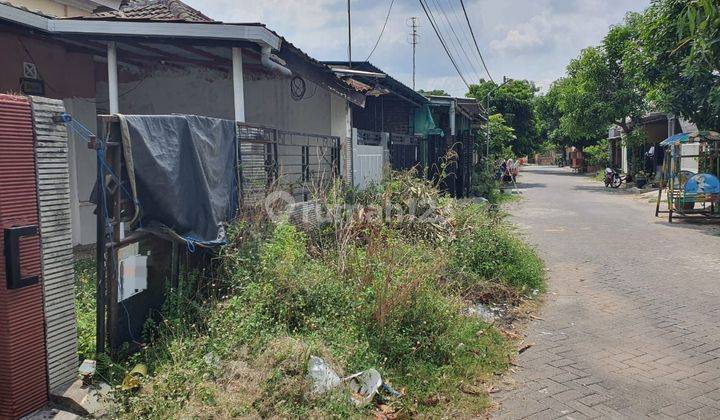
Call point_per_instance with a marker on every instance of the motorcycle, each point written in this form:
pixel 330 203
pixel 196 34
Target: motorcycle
pixel 613 178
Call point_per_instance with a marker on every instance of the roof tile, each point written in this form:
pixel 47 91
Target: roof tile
pixel 155 10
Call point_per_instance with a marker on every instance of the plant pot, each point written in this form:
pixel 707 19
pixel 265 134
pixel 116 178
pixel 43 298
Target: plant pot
pixel 640 181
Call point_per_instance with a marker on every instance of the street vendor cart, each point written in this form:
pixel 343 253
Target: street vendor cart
pixel 691 172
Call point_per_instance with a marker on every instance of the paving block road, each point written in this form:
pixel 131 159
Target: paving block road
pixel 630 327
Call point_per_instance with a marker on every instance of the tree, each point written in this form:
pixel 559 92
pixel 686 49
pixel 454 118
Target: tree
pixel 434 92
pixel 516 102
pixel 502 137
pixel 558 112
pixel 600 90
pixel 675 59
pixel 701 26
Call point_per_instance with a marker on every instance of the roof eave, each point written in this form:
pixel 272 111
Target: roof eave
pixel 252 33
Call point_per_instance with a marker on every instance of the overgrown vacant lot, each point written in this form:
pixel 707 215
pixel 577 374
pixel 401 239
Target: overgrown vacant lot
pixel 361 292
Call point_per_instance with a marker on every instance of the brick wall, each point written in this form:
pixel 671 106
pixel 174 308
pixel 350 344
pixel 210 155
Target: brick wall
pixel 385 114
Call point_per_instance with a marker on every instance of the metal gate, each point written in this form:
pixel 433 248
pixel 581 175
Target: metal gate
pixel 404 152
pixel 369 150
pixel 23 375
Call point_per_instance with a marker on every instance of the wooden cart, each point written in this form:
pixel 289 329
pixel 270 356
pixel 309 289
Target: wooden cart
pixel 682 201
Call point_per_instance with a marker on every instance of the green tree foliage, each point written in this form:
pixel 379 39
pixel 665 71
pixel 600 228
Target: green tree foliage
pixel 598 155
pixel 700 24
pixel 434 92
pixel 502 136
pixel 516 102
pixel 668 62
pixel 559 112
pixel 599 91
pixel 666 58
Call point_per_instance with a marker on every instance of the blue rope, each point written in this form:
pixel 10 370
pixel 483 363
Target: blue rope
pixel 86 134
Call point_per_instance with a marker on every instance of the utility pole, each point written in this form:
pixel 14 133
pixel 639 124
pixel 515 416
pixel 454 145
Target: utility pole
pixel 506 80
pixel 414 42
pixel 349 36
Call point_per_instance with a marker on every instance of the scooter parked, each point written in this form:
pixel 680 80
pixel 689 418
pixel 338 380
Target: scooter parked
pixel 613 178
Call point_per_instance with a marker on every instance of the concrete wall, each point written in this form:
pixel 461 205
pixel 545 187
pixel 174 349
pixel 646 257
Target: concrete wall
pixel 341 126
pixel 170 90
pixel 200 91
pixel 268 102
pixel 83 172
pixel 66 74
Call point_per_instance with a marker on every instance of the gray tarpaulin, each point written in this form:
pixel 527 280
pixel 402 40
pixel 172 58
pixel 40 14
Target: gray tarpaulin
pixel 181 169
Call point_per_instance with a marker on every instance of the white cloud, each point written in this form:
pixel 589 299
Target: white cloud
pixel 515 40
pixel 523 39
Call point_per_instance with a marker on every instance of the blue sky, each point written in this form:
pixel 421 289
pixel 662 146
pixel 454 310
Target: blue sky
pixel 522 39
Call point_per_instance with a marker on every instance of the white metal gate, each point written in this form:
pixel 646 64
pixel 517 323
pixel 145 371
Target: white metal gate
pixel 368 161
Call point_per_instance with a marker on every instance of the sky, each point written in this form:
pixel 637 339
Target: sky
pixel 520 39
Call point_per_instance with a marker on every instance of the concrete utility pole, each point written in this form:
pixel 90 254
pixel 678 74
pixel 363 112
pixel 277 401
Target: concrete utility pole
pixel 349 36
pixel 506 80
pixel 414 42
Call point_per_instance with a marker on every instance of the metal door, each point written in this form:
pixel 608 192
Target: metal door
pixel 368 162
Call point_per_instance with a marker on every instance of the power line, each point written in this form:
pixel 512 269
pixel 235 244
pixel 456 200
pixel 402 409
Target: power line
pixel 462 3
pixel 392 2
pixel 441 9
pixel 442 42
pixel 462 29
pixel 447 40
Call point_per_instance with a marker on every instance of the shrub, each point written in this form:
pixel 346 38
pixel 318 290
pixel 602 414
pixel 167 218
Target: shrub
pixel 495 253
pixel 386 300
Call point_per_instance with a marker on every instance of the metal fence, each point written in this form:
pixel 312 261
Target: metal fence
pixel 404 152
pixel 295 162
pixel 369 138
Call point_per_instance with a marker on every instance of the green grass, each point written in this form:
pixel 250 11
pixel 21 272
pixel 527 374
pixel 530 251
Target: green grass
pixel 85 307
pixel 392 299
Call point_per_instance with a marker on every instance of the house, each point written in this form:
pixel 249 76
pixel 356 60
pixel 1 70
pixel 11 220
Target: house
pixel 416 131
pixel 158 57
pixel 656 126
pixel 384 130
pixel 458 120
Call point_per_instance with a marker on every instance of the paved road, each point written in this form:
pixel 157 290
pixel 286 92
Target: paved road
pixel 631 323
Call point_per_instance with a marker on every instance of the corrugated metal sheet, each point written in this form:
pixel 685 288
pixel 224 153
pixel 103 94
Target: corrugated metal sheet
pixel 53 183
pixel 23 375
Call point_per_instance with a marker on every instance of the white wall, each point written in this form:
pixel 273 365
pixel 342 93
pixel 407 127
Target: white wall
pixel 83 172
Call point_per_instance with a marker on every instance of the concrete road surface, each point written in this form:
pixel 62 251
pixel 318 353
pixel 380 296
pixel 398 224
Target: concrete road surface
pixel 631 323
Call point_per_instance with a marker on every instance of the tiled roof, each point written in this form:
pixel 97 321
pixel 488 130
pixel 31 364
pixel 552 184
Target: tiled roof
pixel 155 10
pixel 35 12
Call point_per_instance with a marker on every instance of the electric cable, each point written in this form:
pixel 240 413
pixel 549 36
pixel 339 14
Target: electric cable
pixel 462 3
pixel 441 9
pixel 382 31
pixel 442 42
